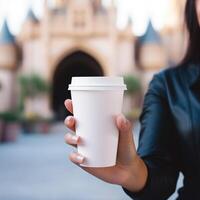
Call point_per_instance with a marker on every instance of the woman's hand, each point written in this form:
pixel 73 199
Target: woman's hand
pixel 129 171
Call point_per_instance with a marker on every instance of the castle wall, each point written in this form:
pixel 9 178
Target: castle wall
pixel 115 57
pixel 125 57
pixel 34 58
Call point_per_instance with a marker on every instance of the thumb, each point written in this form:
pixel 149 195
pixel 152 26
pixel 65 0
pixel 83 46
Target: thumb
pixel 126 146
pixel 124 126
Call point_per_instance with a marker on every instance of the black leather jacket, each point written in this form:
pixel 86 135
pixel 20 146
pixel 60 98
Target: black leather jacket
pixel 170 134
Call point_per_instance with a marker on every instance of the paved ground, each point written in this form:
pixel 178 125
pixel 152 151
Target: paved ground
pixel 36 168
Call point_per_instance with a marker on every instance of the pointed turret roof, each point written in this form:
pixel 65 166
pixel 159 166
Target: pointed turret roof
pixel 150 36
pixel 6 36
pixel 31 16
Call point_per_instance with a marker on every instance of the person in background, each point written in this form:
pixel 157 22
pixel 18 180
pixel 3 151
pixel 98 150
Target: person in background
pixel 169 140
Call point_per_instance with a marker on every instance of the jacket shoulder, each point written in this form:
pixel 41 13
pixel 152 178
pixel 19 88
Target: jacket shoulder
pixel 164 80
pixel 168 73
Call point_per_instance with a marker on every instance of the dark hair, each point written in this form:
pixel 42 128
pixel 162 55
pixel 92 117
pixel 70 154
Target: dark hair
pixel 192 25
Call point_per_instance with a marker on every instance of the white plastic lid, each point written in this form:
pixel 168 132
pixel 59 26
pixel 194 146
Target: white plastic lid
pixel 97 83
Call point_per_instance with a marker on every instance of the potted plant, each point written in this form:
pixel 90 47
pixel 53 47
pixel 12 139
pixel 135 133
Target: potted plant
pixel 10 126
pixel 32 86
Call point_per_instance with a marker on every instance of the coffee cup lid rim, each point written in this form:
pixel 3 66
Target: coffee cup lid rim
pixel 99 80
pixel 99 87
pixel 97 83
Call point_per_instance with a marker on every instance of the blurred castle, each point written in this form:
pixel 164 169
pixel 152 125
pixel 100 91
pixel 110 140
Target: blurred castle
pixel 80 38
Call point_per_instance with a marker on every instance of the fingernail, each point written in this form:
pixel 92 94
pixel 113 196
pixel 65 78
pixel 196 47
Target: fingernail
pixel 74 138
pixel 80 158
pixel 69 118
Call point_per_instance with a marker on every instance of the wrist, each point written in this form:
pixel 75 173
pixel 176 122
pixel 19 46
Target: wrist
pixel 136 175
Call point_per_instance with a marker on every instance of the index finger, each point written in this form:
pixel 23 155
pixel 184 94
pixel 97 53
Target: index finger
pixel 68 105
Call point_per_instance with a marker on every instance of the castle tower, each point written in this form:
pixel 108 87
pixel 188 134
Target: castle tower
pixel 152 56
pixel 8 64
pixel 30 28
pixel 29 34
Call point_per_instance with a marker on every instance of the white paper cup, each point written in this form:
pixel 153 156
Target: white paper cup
pixel 96 101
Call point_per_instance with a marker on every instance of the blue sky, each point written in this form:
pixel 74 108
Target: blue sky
pixel 139 10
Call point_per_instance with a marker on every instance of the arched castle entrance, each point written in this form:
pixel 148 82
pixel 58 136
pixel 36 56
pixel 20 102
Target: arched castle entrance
pixel 77 63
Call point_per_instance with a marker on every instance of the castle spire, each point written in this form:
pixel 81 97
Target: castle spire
pixel 150 36
pixel 31 16
pixel 6 36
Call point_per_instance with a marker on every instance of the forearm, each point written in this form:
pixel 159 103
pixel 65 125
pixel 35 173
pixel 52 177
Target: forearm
pixel 136 177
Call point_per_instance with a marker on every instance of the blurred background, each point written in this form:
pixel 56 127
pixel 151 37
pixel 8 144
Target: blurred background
pixel 43 43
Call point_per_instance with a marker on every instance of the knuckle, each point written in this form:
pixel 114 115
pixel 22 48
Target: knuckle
pixel 65 121
pixel 71 139
pixel 70 121
pixel 73 159
pixel 71 156
pixel 68 138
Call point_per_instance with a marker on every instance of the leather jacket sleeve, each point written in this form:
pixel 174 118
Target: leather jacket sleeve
pixel 156 144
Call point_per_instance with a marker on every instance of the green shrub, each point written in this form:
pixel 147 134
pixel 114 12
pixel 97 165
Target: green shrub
pixel 133 84
pixel 10 116
pixel 31 86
